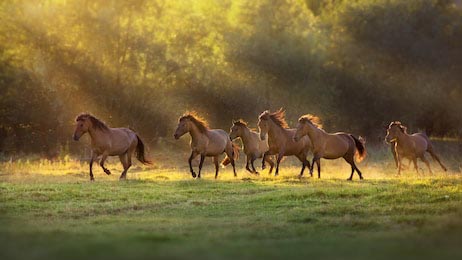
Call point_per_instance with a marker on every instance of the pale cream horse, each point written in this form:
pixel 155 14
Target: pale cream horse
pixel 330 146
pixel 206 142
pixel 410 146
pixel 280 139
pixel 254 147
pixel 106 141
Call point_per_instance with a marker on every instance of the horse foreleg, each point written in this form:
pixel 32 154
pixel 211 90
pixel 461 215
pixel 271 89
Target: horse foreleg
pixel 414 160
pixel 268 160
pixel 101 163
pixel 263 166
pixel 93 157
pixel 215 161
pixel 200 164
pixel 278 161
pixel 247 163
pixel 191 157
pixel 252 160
pixel 318 164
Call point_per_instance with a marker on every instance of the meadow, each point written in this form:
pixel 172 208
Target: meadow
pixel 50 210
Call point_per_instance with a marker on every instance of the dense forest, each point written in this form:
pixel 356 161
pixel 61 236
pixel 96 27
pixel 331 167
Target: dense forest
pixel 358 64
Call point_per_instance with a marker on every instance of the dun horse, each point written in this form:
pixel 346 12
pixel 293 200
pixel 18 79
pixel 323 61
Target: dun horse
pixel 206 142
pixel 107 141
pixel 330 146
pixel 410 146
pixel 280 139
pixel 254 147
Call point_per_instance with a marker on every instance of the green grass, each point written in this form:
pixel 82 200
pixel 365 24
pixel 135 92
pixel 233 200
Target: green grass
pixel 52 211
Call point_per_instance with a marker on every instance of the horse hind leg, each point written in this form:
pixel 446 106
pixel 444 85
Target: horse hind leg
pixel 271 163
pixel 351 161
pixel 125 159
pixel 425 160
pixel 252 160
pixel 436 158
pixel 247 164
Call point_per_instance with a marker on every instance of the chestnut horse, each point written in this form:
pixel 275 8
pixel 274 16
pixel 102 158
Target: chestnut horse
pixel 280 139
pixel 410 146
pixel 206 142
pixel 253 147
pixel 330 146
pixel 106 141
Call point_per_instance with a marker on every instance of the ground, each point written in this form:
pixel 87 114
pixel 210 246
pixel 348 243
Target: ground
pixel 51 210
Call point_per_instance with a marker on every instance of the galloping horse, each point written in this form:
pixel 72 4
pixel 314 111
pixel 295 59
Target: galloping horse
pixel 254 147
pixel 280 139
pixel 206 142
pixel 330 146
pixel 410 146
pixel 107 141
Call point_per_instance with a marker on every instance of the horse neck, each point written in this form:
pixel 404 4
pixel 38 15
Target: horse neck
pixel 194 132
pixel 314 132
pixel 402 137
pixel 245 135
pixel 96 135
pixel 274 131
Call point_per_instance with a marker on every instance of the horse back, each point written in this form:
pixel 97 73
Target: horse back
pixel 218 139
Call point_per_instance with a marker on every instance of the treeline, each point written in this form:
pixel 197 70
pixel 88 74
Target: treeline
pixel 357 64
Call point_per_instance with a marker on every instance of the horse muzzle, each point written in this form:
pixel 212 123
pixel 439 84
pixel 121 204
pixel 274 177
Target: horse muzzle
pixel 75 137
pixel 176 136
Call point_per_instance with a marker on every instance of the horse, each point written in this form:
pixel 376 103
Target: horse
pixel 280 139
pixel 330 146
pixel 410 146
pixel 253 147
pixel 206 142
pixel 106 141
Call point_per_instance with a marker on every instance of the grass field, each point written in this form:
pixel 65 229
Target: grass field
pixel 51 210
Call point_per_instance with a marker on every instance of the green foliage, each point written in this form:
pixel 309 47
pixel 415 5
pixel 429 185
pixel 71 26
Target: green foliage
pixel 358 64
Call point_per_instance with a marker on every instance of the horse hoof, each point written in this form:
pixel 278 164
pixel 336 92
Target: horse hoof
pixel 349 179
pixel 108 172
pixel 193 175
pixel 263 167
pixel 92 179
pixel 257 173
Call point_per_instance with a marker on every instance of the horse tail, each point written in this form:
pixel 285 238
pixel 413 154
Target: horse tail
pixel 140 152
pixel 360 153
pixel 432 152
pixel 227 160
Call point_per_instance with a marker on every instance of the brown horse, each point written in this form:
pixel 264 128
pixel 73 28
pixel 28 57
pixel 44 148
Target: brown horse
pixel 253 147
pixel 280 139
pixel 107 141
pixel 206 142
pixel 410 146
pixel 330 146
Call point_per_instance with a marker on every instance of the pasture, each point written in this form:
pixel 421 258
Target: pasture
pixel 52 210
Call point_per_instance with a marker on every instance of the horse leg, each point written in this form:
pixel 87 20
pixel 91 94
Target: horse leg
pixel 435 157
pixel 191 157
pixel 252 160
pixel 278 161
pixel 200 164
pixel 263 166
pixel 303 160
pixel 393 151
pixel 93 157
pixel 101 163
pixel 125 162
pixel 268 159
pixel 400 163
pixel 414 160
pixel 247 163
pixel 427 163
pixel 318 164
pixel 316 157
pixel 215 161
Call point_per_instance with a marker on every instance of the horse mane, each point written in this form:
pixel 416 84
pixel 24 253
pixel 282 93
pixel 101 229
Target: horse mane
pixel 240 122
pixel 277 117
pixel 314 120
pixel 400 125
pixel 96 123
pixel 197 120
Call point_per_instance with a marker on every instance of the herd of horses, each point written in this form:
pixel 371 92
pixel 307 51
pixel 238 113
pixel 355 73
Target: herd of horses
pixel 274 139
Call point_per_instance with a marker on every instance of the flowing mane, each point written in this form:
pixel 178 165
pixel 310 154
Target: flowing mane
pixel 312 119
pixel 198 121
pixel 240 122
pixel 400 125
pixel 96 123
pixel 277 117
